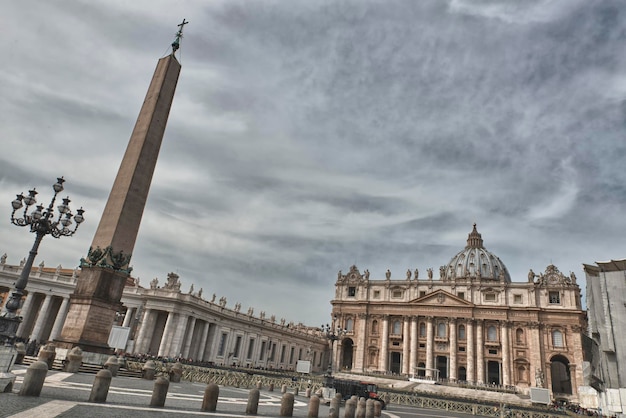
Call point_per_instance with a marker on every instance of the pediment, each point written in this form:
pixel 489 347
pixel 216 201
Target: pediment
pixel 441 298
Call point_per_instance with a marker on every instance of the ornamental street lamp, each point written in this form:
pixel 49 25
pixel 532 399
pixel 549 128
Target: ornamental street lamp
pixel 42 222
pixel 332 334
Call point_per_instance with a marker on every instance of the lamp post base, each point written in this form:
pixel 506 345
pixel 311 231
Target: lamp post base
pixel 8 329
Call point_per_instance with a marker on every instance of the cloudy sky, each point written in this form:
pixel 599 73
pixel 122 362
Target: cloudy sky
pixel 310 135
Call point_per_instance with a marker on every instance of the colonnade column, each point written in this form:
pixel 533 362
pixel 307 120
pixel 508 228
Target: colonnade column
pixel 480 352
pixel 429 346
pixel 413 353
pixel 384 346
pixel 205 335
pixel 128 317
pixel 42 318
pixel 175 347
pixel 144 332
pixel 469 331
pixel 506 368
pixel 167 334
pixel 453 349
pixel 187 342
pixel 406 340
pixel 60 319
pixel 25 313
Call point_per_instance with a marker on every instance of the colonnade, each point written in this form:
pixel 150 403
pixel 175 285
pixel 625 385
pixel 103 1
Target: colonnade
pixel 472 339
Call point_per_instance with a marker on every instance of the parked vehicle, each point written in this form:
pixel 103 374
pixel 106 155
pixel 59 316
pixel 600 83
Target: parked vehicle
pixel 348 388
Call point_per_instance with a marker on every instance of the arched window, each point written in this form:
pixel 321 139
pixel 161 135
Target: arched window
pixel 492 333
pixel 461 332
pixel 374 327
pixel 557 338
pixel 397 328
pixel 441 330
pixel 422 329
pixel 519 336
pixel 350 324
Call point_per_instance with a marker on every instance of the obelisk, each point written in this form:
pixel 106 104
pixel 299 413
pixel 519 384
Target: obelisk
pixel 105 270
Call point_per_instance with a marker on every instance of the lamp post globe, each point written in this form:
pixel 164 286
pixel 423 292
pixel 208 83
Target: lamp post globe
pixel 332 334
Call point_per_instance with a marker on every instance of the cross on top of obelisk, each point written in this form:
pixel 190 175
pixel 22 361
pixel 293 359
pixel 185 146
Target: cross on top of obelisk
pixel 179 35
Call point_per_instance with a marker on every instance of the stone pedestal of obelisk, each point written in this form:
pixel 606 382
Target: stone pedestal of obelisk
pixel 105 270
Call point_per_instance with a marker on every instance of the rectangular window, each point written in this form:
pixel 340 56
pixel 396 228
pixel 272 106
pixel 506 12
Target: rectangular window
pixel 291 355
pixel 282 354
pixel 222 346
pixel 351 291
pixel 461 295
pixel 376 294
pixel 273 352
pixel 250 349
pixel 493 351
pixel 422 293
pixel 517 298
pixel 237 346
pixel 315 357
pixel 262 353
pixel 422 345
pixel 554 297
pixel 396 294
pixel 490 297
pixel 396 343
pixel 300 354
pixel 462 349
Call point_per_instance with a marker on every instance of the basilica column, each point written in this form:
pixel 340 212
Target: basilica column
pixel 429 347
pixel 42 318
pixel 60 319
pixel 25 313
pixel 187 342
pixel 480 352
pixel 359 361
pixel 506 367
pixel 453 350
pixel 168 334
pixel 406 340
pixel 413 353
pixel 469 331
pixel 384 346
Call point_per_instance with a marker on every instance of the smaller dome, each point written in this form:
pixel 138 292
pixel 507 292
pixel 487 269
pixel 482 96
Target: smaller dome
pixel 474 261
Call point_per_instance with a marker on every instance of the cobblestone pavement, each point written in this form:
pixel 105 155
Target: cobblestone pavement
pixel 67 395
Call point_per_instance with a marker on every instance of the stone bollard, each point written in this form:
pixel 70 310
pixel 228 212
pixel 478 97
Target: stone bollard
pixel 211 393
pixel 283 389
pixel 314 407
pixel 360 408
pixel 378 408
pixel 148 370
pixel 47 355
pixel 74 360
pixel 253 402
pixel 259 385
pixel 33 381
pixel 286 405
pixel 307 392
pixel 100 388
pixel 271 388
pixel 176 372
pixel 350 408
pixel 369 408
pixel 21 352
pixel 112 365
pixel 296 391
pixel 159 393
pixel 335 402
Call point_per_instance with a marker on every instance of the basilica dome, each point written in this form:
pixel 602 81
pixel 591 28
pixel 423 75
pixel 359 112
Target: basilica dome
pixel 475 262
